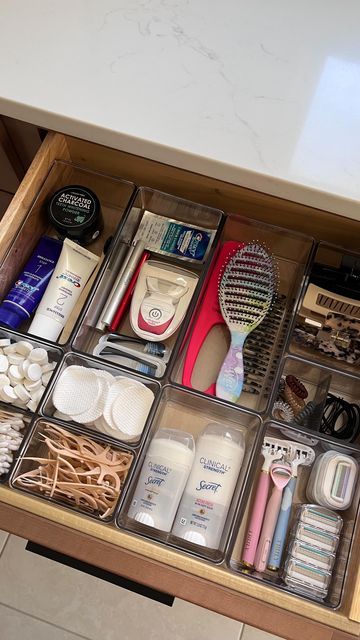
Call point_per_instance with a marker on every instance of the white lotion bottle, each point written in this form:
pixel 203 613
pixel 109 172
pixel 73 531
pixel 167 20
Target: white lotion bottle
pixel 162 478
pixel 209 490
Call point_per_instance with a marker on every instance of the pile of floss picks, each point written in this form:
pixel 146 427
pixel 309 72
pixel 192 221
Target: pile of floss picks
pixel 117 406
pixel 11 424
pixel 25 371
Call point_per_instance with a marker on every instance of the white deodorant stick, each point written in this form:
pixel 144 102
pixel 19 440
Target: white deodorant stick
pixel 209 490
pixel 162 478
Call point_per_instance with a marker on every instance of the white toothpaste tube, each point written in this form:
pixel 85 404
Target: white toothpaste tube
pixel 72 271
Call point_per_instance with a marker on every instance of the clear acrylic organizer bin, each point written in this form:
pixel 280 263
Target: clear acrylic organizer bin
pixel 191 412
pixel 35 447
pixel 327 327
pixel 114 195
pixel 90 329
pixel 47 408
pixel 307 413
pixel 240 531
pixel 265 345
pixel 55 354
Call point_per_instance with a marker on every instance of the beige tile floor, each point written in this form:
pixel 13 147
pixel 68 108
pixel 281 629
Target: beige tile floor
pixel 41 599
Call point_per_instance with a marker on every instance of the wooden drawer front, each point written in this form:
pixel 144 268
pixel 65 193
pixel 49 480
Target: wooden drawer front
pixel 137 558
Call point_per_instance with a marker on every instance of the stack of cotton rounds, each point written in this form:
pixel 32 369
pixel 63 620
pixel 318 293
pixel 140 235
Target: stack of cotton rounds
pixel 25 371
pixel 117 406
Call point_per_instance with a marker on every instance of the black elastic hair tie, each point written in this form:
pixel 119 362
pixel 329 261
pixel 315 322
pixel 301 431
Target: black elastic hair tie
pixel 340 419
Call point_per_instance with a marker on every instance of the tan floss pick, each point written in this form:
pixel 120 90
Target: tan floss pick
pixel 77 389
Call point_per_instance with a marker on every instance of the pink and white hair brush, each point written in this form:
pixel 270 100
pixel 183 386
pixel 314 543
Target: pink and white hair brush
pixel 246 290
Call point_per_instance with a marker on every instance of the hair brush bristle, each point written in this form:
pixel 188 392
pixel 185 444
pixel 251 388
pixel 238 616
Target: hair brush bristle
pixel 247 286
pixel 246 289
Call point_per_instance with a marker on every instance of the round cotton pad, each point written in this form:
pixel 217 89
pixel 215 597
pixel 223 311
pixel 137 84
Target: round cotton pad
pixel 131 407
pixel 95 410
pixel 113 393
pixel 77 390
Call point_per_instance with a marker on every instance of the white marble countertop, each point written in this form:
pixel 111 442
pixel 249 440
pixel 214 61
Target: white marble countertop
pixel 261 93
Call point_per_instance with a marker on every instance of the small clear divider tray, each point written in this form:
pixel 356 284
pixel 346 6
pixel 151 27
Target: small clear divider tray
pixel 208 338
pixel 327 327
pixel 190 412
pixel 316 415
pixel 126 401
pixel 73 468
pixel 34 386
pixel 90 328
pixel 114 195
pixel 237 560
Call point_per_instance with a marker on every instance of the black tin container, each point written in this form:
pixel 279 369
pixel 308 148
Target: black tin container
pixel 75 212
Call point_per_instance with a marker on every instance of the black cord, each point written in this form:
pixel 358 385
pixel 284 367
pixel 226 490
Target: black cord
pixel 340 419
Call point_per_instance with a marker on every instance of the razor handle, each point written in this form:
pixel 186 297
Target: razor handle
pixel 257 515
pixel 279 538
pixel 268 528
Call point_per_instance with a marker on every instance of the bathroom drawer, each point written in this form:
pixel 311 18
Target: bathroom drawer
pixel 134 557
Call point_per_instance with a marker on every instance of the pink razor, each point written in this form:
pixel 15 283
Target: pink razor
pixel 280 474
pixel 209 314
pixel 272 449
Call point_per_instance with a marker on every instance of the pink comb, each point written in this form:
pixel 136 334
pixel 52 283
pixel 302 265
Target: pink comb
pixel 209 314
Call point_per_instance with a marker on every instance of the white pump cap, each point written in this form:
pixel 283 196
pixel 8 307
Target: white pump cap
pixel 45 327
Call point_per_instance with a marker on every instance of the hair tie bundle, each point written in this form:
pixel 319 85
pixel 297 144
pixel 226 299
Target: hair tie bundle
pixel 340 419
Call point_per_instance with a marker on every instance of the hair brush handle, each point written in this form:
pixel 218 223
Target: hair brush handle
pixel 230 380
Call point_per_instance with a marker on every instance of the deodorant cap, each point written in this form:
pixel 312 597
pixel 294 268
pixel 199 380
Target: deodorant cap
pixel 185 441
pixel 226 433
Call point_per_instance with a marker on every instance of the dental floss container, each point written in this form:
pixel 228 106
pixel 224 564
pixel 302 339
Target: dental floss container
pixel 160 300
pixel 206 500
pixel 162 478
pixel 332 480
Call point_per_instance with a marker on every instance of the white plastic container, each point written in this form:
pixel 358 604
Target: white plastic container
pixel 205 503
pixel 162 478
pixel 332 480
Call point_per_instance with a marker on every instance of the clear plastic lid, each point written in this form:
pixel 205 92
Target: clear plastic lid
pixel 173 445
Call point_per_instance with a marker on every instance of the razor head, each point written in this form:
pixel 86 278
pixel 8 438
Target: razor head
pixel 300 454
pixel 275 448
